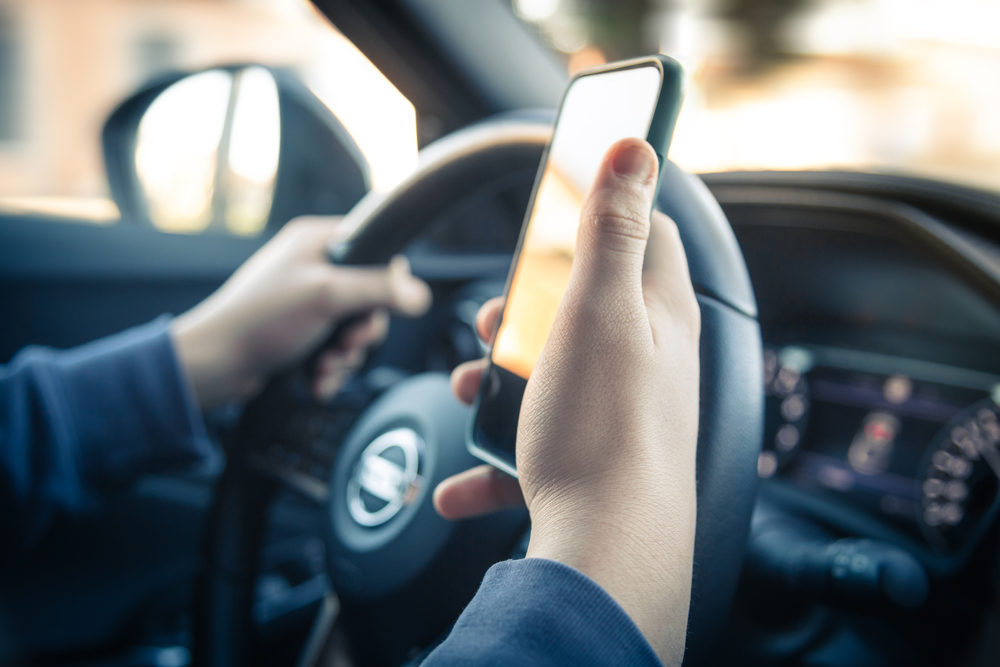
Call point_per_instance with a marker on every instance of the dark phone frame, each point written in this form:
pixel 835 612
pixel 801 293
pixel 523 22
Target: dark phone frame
pixel 659 135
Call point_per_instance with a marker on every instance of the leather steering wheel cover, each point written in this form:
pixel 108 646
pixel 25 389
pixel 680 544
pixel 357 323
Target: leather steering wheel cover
pixel 731 395
pixel 380 225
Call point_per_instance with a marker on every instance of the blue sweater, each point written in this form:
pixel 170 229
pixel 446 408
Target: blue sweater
pixel 74 422
pixel 540 612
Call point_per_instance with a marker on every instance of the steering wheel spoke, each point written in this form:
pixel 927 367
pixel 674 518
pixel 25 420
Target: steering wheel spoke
pixel 298 448
pixel 274 467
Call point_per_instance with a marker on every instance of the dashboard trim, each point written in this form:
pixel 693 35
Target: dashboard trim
pixel 909 224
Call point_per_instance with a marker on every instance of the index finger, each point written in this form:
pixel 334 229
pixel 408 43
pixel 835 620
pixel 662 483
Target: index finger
pixel 666 279
pixel 488 318
pixel 480 490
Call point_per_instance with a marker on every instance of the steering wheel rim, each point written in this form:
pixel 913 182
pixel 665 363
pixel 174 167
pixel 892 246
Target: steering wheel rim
pixel 731 416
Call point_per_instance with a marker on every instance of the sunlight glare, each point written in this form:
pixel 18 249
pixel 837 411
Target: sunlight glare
pixel 177 150
pixel 256 138
pixel 376 115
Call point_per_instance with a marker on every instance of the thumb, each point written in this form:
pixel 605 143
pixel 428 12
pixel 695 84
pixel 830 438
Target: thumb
pixel 614 225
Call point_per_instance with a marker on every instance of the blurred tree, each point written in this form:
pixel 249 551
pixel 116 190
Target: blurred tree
pixel 625 28
pixel 621 29
pixel 761 23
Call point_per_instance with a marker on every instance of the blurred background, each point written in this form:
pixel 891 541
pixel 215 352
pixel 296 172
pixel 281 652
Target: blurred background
pixel 66 64
pixel 909 86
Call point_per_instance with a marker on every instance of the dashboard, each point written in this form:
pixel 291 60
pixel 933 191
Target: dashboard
pixel 879 304
pixel 911 444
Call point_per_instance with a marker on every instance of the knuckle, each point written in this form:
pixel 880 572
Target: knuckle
pixel 310 221
pixel 624 221
pixel 305 229
pixel 297 226
pixel 625 229
pixel 298 222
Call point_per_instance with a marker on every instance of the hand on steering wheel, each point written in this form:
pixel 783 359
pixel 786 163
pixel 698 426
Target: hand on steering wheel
pixel 284 302
pixel 608 429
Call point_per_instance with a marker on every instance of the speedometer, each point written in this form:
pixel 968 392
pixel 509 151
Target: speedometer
pixel 786 406
pixel 960 484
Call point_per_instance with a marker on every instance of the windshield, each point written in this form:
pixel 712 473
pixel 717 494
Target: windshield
pixel 900 86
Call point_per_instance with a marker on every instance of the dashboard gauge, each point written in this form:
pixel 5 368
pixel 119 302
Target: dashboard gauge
pixel 871 449
pixel 786 397
pixel 960 483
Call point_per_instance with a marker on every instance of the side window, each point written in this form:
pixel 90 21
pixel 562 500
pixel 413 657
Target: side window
pixel 65 66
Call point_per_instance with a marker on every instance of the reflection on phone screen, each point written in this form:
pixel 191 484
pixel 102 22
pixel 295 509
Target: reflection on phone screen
pixel 597 111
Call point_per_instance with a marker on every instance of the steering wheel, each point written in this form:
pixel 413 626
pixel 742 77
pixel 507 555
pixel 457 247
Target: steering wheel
pixel 401 573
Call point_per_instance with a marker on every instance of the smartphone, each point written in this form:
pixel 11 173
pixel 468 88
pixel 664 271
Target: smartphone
pixel 633 98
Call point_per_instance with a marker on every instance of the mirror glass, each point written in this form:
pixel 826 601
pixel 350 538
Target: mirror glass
pixel 207 152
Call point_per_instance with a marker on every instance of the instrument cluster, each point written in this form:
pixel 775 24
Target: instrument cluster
pixel 909 443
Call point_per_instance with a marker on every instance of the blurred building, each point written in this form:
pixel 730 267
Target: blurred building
pixel 65 64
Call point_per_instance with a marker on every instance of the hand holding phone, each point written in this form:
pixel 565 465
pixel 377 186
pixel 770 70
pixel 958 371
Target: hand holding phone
pixel 608 429
pixel 638 98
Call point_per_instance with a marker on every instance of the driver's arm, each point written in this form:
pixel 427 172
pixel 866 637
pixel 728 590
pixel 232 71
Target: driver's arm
pixel 74 421
pixel 541 612
pixel 606 447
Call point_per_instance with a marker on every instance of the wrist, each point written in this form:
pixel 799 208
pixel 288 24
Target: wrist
pixel 642 557
pixel 209 362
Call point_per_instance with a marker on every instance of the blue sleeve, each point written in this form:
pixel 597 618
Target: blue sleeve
pixel 540 612
pixel 73 422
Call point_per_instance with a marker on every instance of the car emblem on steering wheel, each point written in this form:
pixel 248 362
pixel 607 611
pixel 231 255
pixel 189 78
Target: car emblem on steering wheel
pixel 386 478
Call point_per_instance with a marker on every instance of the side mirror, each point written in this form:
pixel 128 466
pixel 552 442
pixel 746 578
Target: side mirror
pixel 239 149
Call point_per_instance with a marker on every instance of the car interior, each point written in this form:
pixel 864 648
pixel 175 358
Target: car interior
pixel 849 443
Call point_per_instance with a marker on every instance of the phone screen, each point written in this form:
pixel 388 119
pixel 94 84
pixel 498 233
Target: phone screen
pixel 597 110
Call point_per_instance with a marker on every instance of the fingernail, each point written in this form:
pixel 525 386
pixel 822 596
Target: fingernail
pixel 633 161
